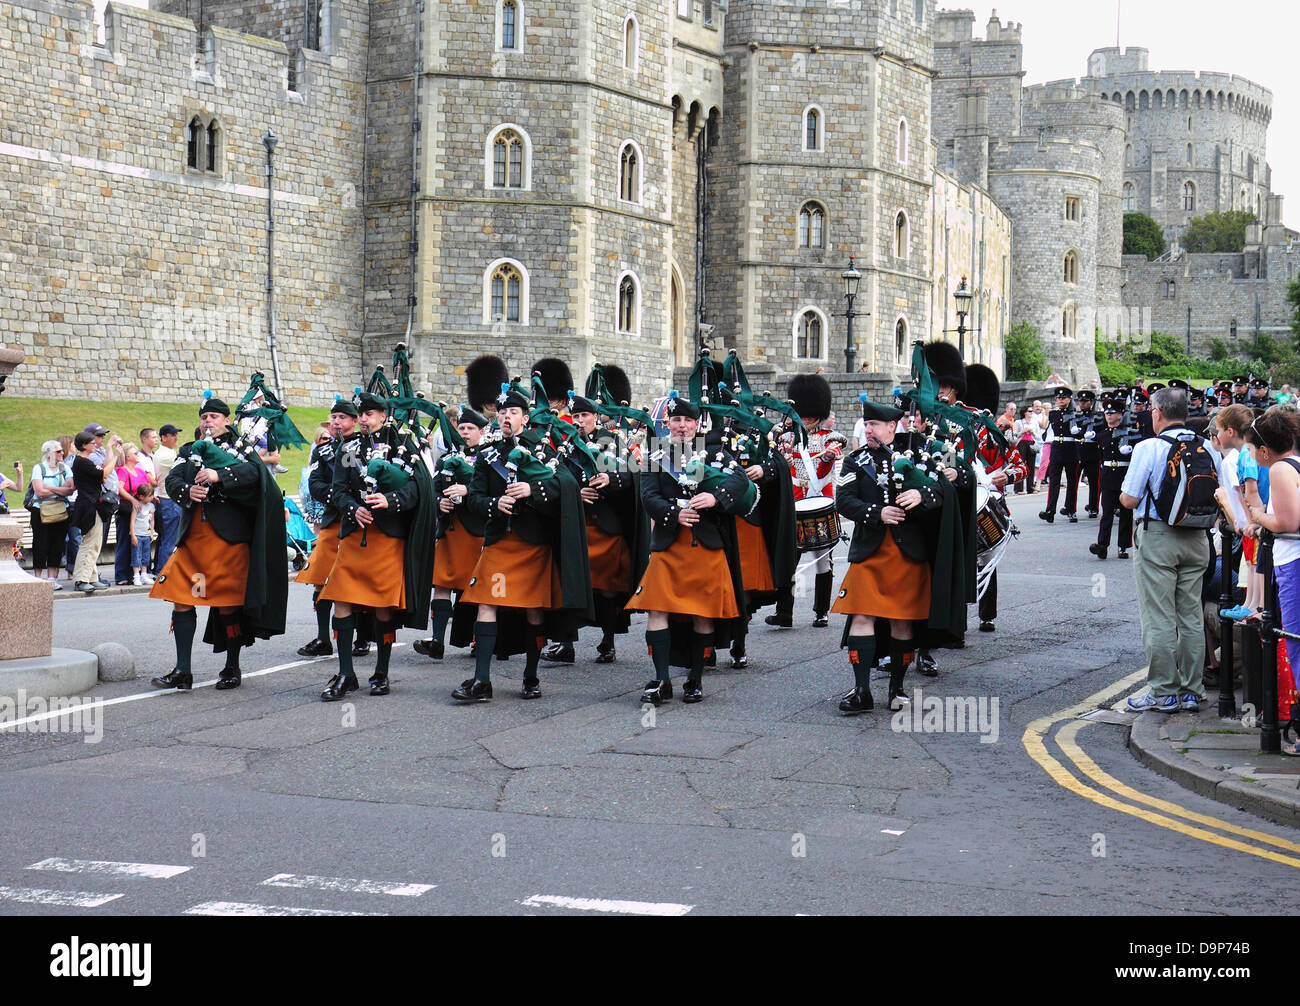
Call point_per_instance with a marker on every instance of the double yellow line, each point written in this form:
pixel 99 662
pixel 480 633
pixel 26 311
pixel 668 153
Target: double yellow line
pixel 1036 748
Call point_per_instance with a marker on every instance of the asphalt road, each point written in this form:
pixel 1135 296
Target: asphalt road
pixel 762 799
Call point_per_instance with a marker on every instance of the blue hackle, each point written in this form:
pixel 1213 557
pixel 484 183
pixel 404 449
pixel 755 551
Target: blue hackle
pixel 862 397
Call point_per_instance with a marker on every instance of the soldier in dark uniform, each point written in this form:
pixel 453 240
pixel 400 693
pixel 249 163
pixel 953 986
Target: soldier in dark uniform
pixel 1091 422
pixel 1115 442
pixel 1223 393
pixel 1196 403
pixel 1064 434
pixel 1240 390
pixel 1259 398
pixel 1140 415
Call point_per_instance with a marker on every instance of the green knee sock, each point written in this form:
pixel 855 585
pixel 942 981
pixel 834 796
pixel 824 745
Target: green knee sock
pixel 485 641
pixel 536 643
pixel 441 609
pixel 229 624
pixel 323 609
pixel 862 654
pixel 658 642
pixel 701 647
pixel 900 654
pixel 385 636
pixel 344 630
pixel 183 626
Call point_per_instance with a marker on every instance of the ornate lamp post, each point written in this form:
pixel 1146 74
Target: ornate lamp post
pixel 962 295
pixel 851 278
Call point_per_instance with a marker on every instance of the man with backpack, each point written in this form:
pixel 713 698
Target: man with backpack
pixel 1170 487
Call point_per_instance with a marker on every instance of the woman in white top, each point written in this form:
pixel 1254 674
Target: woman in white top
pixel 1274 435
pixel 51 481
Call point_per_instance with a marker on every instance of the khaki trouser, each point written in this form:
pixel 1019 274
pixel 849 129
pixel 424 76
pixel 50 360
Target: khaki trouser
pixel 1169 568
pixel 86 568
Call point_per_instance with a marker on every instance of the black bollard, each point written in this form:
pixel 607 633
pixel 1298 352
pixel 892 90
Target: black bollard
pixel 1270 737
pixel 1227 699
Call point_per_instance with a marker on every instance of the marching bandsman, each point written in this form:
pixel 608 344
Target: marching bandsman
pixel 812 474
pixel 230 555
pixel 1116 445
pixel 370 569
pixel 1223 393
pixel 558 381
pixel 1064 434
pixel 1091 422
pixel 459 537
pixel 484 376
pixel 693 570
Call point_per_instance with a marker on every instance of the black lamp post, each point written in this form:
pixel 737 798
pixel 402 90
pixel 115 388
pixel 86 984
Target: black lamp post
pixel 851 278
pixel 962 295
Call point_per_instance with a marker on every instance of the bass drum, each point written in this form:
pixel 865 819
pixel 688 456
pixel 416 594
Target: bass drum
pixel 816 524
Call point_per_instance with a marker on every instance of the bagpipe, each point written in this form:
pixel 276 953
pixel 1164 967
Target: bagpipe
pixel 700 475
pixel 207 453
pixel 278 428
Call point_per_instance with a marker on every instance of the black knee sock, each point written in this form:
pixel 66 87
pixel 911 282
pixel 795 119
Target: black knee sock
pixel 899 652
pixel 738 641
pixel 536 643
pixel 344 630
pixel 323 609
pixel 183 626
pixel 385 636
pixel 485 641
pixel 441 610
pixel 701 647
pixel 229 624
pixel 862 654
pixel 658 642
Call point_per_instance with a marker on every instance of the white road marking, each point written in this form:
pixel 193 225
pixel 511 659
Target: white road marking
pixel 889 831
pixel 346 886
pixel 149 871
pixel 601 905
pixel 241 908
pixel 158 692
pixel 41 896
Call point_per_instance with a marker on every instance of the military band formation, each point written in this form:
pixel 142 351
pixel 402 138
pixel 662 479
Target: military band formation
pixel 532 511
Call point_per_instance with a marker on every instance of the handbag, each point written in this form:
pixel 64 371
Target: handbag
pixel 53 511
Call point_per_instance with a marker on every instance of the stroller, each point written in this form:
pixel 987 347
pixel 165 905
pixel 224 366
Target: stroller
pixel 299 537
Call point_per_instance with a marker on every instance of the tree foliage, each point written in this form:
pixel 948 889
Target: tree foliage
pixel 1026 358
pixel 1217 232
pixel 1143 236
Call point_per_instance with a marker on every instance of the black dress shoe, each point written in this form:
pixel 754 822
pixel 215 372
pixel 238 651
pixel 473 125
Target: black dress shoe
pixel 1123 553
pixel 1074 519
pixel 605 656
pixel 692 692
pixel 379 686
pixel 532 689
pixel 431 648
pixel 181 682
pixel 316 648
pixel 1092 514
pixel 928 666
pixel 421 646
pixel 361 649
pixel 820 622
pixel 898 699
pixel 739 662
pixel 473 690
pixel 657 691
pixel 987 626
pixel 559 653
pixel 1098 550
pixel 229 678
pixel 779 621
pixel 857 701
pixel 1047 516
pixel 338 686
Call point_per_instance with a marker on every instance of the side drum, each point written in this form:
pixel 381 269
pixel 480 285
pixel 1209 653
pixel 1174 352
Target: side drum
pixel 816 524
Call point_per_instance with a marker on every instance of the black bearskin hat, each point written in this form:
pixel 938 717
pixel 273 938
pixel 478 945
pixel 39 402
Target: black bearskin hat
pixel 483 380
pixel 617 382
pixel 945 361
pixel 811 394
pixel 555 376
pixel 983 390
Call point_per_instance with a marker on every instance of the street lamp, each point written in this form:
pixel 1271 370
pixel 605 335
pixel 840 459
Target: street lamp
pixel 962 295
pixel 269 140
pixel 851 278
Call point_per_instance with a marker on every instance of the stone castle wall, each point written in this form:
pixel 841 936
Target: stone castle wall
pixel 142 277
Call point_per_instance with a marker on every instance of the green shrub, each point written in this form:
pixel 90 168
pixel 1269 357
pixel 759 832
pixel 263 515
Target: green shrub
pixel 1026 358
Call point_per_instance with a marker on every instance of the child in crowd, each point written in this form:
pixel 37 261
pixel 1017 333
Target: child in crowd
pixel 142 534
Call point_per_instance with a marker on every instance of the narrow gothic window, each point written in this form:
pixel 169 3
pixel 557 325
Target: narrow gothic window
pixel 509 16
pixel 192 142
pixel 918 10
pixel 505 293
pixel 508 160
pixel 812 219
pixel 1071 267
pixel 1072 208
pixel 627 306
pixel 1189 153
pixel 213 133
pixel 1189 196
pixel 810 336
pixel 902 142
pixel 1130 201
pixel 900 235
pixel 629 45
pixel 629 181
pixel 1068 323
pixel 812 139
pixel 1232 328
pixel 900 340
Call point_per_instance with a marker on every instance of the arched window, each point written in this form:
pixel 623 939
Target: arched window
pixel 629 173
pixel 1130 197
pixel 812 222
pixel 901 235
pixel 1128 155
pixel 508 160
pixel 1232 328
pixel 902 141
pixel 809 335
pixel 213 138
pixel 1130 101
pixel 812 128
pixel 193 142
pixel 1189 196
pixel 505 293
pixel 1071 267
pixel 631 35
pixel 900 340
pixel 1189 153
pixel 1069 323
pixel 510 25
pixel 629 304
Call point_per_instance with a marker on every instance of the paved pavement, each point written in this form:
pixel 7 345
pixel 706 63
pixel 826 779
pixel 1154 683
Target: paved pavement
pixel 762 799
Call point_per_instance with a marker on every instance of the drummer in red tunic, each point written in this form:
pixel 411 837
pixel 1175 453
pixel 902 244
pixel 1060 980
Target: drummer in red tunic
pixel 889 572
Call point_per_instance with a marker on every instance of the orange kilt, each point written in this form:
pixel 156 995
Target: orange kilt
pixel 886 585
pixel 755 565
pixel 454 557
pixel 611 561
pixel 205 570
pixel 321 561
pixel 370 577
pixel 513 573
pixel 686 580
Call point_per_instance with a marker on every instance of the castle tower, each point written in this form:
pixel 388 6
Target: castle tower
pixel 824 154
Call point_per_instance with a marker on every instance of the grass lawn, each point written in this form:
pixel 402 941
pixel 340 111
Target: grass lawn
pixel 26 423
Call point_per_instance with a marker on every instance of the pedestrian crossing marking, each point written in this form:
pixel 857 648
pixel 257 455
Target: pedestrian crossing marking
pixel 244 909
pixel 148 871
pixel 348 886
pixel 601 905
pixel 66 899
